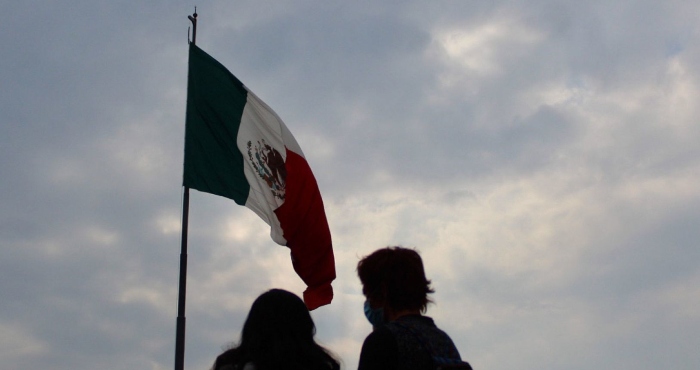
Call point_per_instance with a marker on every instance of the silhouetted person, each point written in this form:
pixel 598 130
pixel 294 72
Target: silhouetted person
pixel 278 334
pixel 396 292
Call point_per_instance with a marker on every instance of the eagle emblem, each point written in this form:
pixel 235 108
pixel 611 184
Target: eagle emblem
pixel 269 165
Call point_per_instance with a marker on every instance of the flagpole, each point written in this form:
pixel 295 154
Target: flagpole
pixel 180 325
pixel 180 328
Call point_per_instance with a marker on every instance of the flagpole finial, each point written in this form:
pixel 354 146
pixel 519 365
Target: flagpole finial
pixel 193 19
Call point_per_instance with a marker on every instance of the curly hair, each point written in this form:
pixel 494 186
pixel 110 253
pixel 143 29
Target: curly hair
pixel 396 277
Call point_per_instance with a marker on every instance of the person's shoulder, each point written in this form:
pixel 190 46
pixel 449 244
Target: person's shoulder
pixel 247 366
pixel 231 360
pixel 381 335
pixel 379 350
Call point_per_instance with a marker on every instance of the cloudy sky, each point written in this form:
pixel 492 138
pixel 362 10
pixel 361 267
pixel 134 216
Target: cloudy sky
pixel 542 156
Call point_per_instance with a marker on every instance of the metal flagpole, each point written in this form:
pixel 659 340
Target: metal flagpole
pixel 180 327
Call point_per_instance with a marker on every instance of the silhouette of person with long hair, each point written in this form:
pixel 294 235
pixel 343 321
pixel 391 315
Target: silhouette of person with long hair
pixel 278 334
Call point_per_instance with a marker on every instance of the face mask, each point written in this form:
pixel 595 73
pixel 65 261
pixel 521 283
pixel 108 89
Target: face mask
pixel 375 316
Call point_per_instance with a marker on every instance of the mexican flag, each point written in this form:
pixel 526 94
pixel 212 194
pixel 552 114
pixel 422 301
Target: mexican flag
pixel 238 148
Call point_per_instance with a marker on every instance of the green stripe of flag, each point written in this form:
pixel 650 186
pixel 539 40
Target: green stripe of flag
pixel 215 101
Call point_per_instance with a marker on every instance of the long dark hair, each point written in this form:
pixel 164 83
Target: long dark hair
pixel 278 334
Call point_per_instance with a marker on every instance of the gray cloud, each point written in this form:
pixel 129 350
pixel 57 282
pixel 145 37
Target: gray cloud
pixel 541 156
